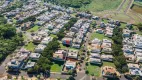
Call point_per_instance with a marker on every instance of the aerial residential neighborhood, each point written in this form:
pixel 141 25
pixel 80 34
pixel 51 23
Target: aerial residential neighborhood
pixel 70 40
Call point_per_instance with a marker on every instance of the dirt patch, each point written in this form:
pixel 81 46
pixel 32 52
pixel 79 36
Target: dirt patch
pixel 137 8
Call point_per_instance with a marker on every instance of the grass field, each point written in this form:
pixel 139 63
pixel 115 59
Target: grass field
pixel 56 68
pixel 137 8
pixel 100 5
pixel 35 28
pixel 96 70
pixel 99 36
pixel 93 69
pixel 108 64
pixel 30 46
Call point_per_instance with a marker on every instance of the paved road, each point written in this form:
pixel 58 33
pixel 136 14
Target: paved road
pixel 56 75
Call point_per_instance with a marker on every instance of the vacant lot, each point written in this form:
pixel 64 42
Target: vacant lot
pixel 137 8
pixel 100 5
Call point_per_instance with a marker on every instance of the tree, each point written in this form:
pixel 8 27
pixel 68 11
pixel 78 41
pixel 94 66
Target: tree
pixel 71 78
pixel 125 69
pixel 137 78
pixel 140 26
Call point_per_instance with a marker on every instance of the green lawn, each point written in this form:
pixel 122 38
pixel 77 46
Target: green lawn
pixel 99 36
pixel 123 25
pixel 93 69
pixel 35 28
pixel 62 46
pixel 54 36
pixel 108 64
pixel 100 5
pixel 105 20
pixel 30 46
pixel 56 67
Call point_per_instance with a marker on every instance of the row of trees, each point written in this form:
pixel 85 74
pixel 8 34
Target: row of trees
pixel 119 59
pixel 9 39
pixel 70 3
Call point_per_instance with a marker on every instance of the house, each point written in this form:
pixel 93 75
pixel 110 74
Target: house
pixel 27 25
pixel 117 23
pixel 137 41
pixel 14 65
pixel 40 23
pixel 46 40
pixel 109 31
pixel 107 57
pixel 107 50
pixel 83 14
pixel 50 26
pixel 129 57
pixel 69 66
pixel 126 33
pixel 133 66
pixel 39 48
pixel 100 31
pixel 107 41
pixel 55 31
pixel 74 29
pixel 77 46
pixel 30 65
pixel 95 17
pixel 70 34
pixel 37 39
pixel 34 56
pixel 42 33
pixel 110 72
pixel 60 55
pixel 134 69
pixel 67 41
pixel 95 55
pixel 128 49
pixel 102 25
pixel 73 54
pixel 138 59
pixel 111 21
pixel 106 45
pixel 95 61
pixel 95 48
pixel 96 40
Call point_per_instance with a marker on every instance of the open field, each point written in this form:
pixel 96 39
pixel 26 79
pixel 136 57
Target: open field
pixel 99 36
pixel 137 8
pixel 93 69
pixel 100 5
